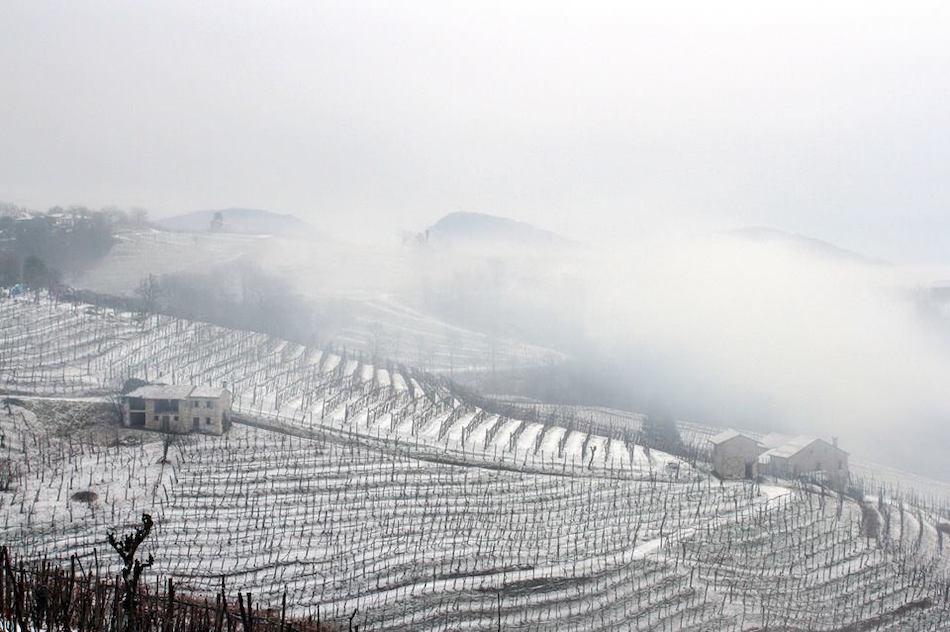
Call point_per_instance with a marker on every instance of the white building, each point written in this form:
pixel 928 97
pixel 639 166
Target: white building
pixel 807 457
pixel 735 455
pixel 178 408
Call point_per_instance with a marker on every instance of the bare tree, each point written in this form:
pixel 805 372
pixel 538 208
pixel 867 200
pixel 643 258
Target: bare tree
pixel 168 440
pixel 132 566
pixel 149 290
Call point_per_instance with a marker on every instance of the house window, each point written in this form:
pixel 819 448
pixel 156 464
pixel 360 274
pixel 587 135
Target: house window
pixel 194 404
pixel 176 417
pixel 209 404
pixel 156 417
pixel 166 405
pixel 195 422
pixel 207 421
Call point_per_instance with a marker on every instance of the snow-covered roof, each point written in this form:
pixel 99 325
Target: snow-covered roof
pixel 728 435
pixel 794 446
pixel 175 391
pixel 791 447
pixel 775 439
pixel 208 391
pixel 162 391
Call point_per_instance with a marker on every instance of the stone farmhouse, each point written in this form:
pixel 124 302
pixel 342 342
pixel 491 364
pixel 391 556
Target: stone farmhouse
pixel 735 455
pixel 807 457
pixel 178 408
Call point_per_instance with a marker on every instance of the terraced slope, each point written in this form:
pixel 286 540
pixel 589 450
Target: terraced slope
pixel 355 487
pixel 59 349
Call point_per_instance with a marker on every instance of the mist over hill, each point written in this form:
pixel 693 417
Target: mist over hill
pixel 246 221
pixel 600 317
pixel 742 328
pixel 461 229
pixel 803 244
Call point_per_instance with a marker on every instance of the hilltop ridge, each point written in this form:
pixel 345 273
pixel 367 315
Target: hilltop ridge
pixel 246 221
pixel 465 228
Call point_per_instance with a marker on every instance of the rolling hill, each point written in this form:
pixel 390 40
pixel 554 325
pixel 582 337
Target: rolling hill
pixel 244 221
pixel 803 244
pixel 478 230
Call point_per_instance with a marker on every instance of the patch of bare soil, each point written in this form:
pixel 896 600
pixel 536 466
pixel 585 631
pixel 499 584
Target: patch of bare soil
pixel 94 422
pixel 85 496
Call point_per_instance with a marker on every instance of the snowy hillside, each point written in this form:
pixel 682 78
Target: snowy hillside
pixel 345 281
pixel 243 221
pixel 378 489
pixel 61 349
pixel 136 254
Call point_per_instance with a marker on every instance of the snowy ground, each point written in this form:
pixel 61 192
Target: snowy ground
pixel 136 254
pixel 415 544
pixel 378 489
pixel 62 350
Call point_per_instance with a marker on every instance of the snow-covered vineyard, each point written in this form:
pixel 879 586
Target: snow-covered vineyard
pixel 375 489
pixel 60 349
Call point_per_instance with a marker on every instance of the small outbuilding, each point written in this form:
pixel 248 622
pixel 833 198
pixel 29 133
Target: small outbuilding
pixel 808 457
pixel 179 408
pixel 735 455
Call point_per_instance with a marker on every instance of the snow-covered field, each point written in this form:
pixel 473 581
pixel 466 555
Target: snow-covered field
pixel 52 349
pixel 136 254
pixel 377 489
pixel 394 331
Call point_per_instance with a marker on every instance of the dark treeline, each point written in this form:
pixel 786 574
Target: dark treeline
pixel 575 381
pixel 239 295
pixel 38 248
pixel 578 382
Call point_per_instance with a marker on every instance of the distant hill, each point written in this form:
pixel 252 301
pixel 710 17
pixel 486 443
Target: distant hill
pixel 246 221
pixel 802 243
pixel 479 229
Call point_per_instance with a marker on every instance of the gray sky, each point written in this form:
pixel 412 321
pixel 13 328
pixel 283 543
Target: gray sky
pixel 582 118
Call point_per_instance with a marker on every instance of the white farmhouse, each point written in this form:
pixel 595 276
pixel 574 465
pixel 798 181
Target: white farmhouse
pixel 808 457
pixel 178 408
pixel 735 455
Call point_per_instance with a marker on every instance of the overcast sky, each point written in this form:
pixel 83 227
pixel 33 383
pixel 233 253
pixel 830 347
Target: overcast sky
pixel 588 120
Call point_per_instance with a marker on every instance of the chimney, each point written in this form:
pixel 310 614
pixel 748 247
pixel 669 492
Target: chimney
pixel 834 441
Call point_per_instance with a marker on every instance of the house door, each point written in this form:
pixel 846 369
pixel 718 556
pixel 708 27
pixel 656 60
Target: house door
pixel 748 470
pixel 137 419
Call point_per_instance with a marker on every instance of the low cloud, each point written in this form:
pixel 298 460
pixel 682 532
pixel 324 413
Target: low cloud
pixel 769 337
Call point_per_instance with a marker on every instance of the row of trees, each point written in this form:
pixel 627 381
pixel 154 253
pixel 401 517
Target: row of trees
pixel 36 247
pixel 238 296
pixel 32 271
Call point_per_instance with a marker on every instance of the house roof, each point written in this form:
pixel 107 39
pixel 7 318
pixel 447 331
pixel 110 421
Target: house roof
pixel 208 391
pixel 794 446
pixel 162 391
pixel 175 391
pixel 791 447
pixel 775 439
pixel 729 435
